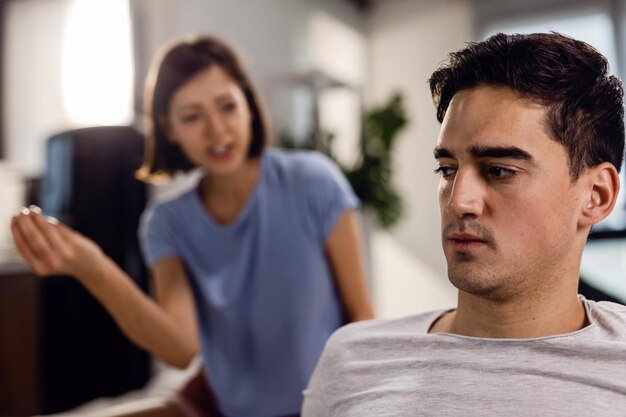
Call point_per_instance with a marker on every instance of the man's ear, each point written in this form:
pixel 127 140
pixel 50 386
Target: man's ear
pixel 165 126
pixel 601 194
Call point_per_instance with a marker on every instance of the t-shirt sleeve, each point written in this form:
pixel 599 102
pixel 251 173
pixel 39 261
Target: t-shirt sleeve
pixel 156 235
pixel 327 385
pixel 314 404
pixel 327 193
pixel 316 399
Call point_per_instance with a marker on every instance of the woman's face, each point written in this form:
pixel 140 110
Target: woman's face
pixel 209 119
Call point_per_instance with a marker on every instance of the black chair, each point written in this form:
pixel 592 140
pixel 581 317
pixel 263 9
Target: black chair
pixel 89 184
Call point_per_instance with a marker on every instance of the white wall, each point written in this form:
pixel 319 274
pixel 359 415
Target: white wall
pixel 402 283
pixel 408 40
pixel 271 36
pixel 30 115
pixel 67 66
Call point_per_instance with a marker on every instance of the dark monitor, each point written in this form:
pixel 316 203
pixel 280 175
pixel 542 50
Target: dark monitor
pixel 89 184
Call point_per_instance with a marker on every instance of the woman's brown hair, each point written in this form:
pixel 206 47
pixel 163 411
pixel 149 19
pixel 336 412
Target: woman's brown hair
pixel 180 62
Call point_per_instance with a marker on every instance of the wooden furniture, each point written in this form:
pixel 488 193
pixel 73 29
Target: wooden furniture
pixel 58 346
pixel 19 340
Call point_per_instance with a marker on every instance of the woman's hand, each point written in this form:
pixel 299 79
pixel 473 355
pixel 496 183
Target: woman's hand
pixel 164 330
pixel 51 248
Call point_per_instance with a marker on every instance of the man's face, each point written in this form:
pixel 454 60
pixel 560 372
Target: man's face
pixel 509 209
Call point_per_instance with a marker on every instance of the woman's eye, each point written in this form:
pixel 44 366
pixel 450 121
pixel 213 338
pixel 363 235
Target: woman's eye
pixel 501 173
pixel 190 118
pixel 228 107
pixel 445 171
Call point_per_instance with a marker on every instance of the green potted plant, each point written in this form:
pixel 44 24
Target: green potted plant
pixel 370 176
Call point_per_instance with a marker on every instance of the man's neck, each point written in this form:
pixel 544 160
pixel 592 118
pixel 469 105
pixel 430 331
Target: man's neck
pixel 519 318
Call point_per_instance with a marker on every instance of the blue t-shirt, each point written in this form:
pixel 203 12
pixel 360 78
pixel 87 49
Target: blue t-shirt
pixel 265 296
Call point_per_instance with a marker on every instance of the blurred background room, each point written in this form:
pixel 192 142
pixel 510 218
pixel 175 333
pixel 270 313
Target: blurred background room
pixel 346 77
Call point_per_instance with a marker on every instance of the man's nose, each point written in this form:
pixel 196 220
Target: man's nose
pixel 467 197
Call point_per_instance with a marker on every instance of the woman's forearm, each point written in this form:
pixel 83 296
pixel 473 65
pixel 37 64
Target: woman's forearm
pixel 51 248
pixel 144 321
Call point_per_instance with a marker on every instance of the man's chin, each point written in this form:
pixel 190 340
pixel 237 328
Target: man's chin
pixel 475 281
pixel 473 289
pixel 486 288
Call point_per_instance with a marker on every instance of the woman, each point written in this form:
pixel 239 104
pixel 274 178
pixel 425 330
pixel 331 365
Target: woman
pixel 254 268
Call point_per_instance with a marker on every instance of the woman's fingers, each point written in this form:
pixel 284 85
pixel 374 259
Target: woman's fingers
pixel 50 232
pixel 65 233
pixel 40 242
pixel 36 240
pixel 24 249
pixel 51 248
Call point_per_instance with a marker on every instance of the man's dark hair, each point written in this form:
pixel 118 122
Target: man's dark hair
pixel 585 104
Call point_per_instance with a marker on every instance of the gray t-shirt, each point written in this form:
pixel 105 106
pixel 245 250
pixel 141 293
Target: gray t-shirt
pixel 395 368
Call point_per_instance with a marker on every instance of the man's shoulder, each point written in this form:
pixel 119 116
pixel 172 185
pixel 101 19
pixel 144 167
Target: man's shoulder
pixel 368 342
pixel 609 317
pixel 608 307
pixel 384 330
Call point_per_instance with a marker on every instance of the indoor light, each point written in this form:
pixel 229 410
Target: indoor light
pixel 97 66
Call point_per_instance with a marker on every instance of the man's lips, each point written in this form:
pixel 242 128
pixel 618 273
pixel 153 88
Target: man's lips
pixel 467 235
pixel 466 240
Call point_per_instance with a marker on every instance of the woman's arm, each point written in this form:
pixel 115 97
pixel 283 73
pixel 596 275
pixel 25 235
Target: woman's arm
pixel 173 293
pixel 343 248
pixel 167 329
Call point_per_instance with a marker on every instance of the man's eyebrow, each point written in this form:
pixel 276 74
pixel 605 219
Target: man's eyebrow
pixel 500 152
pixel 442 153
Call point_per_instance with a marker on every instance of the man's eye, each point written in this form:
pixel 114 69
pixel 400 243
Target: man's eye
pixel 501 173
pixel 445 171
